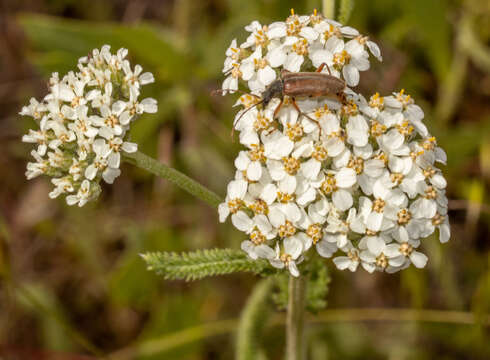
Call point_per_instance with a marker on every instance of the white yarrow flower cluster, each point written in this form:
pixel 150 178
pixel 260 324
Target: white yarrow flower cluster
pixel 291 45
pixel 354 180
pixel 83 123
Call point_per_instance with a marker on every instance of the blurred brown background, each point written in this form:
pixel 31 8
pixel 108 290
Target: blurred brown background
pixel 71 280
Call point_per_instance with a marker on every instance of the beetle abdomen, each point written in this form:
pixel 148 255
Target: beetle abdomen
pixel 312 84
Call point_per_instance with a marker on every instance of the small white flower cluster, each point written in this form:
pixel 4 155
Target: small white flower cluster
pixel 83 122
pixel 291 45
pixel 355 177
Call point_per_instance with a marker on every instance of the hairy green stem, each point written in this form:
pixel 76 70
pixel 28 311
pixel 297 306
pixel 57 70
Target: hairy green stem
pixel 295 344
pixel 253 321
pixel 345 10
pixel 328 8
pixel 174 176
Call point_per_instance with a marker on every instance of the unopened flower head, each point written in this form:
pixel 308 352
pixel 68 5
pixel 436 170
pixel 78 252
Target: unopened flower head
pixel 354 179
pixel 83 123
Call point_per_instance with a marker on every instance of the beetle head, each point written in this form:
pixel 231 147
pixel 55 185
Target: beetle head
pixel 274 90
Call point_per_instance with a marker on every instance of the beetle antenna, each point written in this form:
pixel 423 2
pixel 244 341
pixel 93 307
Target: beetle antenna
pixel 241 115
pixel 221 91
pixel 245 111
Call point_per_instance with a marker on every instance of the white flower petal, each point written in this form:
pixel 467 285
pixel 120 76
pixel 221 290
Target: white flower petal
pixel 418 259
pixel 264 252
pixel 375 245
pixel 266 75
pixel 241 221
pixel 254 171
pixel 351 75
pixel 342 200
pixel 293 269
pixel 129 147
pixel 345 178
pixel 293 246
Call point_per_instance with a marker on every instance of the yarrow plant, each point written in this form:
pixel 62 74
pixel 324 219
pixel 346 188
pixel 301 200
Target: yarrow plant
pixel 339 176
pixel 83 124
pixel 355 179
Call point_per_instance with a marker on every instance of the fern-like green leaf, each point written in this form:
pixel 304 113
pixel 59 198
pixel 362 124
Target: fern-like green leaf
pixel 201 263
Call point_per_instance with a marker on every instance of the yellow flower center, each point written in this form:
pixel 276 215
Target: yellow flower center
pixel 429 172
pixel 404 216
pixel 286 258
pixel 319 112
pixel 357 164
pixel 405 128
pixel 261 37
pixel 257 237
pixel 379 205
pixel 382 261
pixel 377 129
pixel 260 63
pixel 293 24
pixel 314 231
pixel 75 102
pixel 352 255
pixel 376 101
pixel 294 131
pixel 329 185
pixel 291 165
pixel 300 47
pixel 262 122
pixel 429 144
pixel 430 193
pixel 257 153
pixel 438 219
pixel 362 39
pixel 285 197
pixel 259 206
pixel 286 230
pixel 235 72
pixel 332 31
pixel 341 58
pixel 349 109
pixel 235 204
pixel 315 18
pixel 406 249
pixel 396 178
pixel 320 153
pixel 404 99
pixel 112 121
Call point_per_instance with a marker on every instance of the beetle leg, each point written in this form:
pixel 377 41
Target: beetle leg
pixel 299 110
pixel 278 108
pixel 271 131
pixel 305 115
pixel 320 68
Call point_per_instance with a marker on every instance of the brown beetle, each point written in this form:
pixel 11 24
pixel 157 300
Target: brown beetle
pixel 304 84
pixel 300 84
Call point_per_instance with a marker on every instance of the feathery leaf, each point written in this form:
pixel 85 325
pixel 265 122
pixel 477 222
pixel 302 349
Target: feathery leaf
pixel 201 263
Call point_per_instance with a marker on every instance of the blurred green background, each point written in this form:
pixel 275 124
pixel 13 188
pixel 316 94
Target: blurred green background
pixel 71 280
